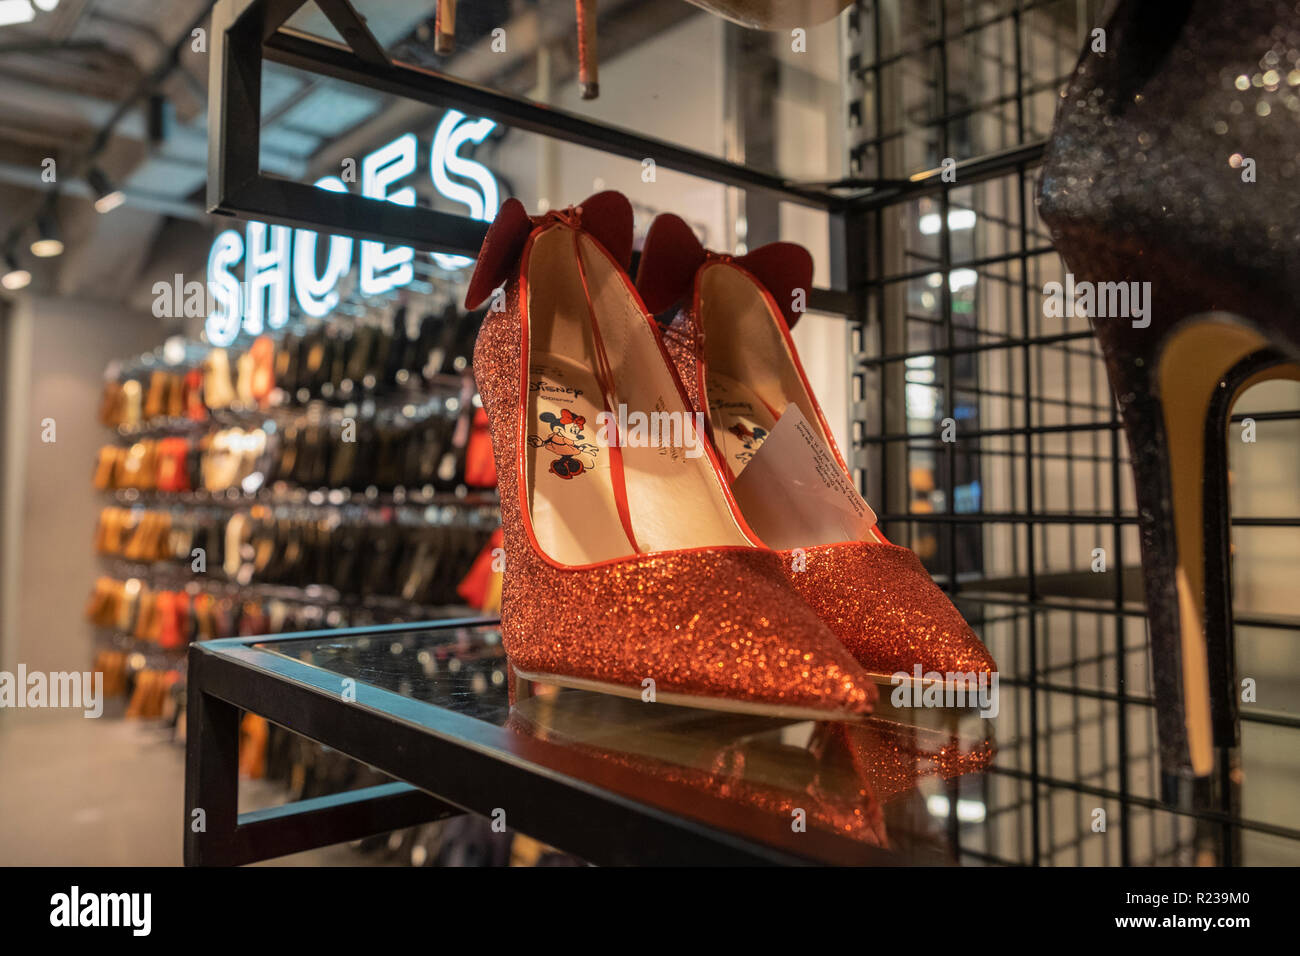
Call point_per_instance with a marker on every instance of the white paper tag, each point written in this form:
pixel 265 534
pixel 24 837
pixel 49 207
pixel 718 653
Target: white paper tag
pixel 796 491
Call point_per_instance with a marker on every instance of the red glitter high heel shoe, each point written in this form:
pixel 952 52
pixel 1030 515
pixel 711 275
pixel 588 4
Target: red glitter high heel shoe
pixel 625 564
pixel 730 341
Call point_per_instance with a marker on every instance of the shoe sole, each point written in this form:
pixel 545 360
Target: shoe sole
pixel 887 680
pixel 689 700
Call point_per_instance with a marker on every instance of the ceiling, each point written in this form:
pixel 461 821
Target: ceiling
pixel 78 82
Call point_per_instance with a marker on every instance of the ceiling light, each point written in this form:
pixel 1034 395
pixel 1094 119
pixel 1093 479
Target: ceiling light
pixel 960 279
pixel 15 11
pixel 46 5
pixel 14 278
pixel 47 244
pixel 957 219
pixel 968 811
pixel 107 198
pixel 174 350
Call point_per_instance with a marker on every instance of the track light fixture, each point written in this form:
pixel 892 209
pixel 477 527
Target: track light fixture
pixel 107 196
pixel 47 243
pixel 15 277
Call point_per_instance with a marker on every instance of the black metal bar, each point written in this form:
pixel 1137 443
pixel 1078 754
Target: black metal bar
pixel 234 99
pixel 1033 340
pixel 476 766
pixel 314 55
pixel 211 770
pixel 942 39
pixel 1054 518
pixel 878 256
pixel 1030 548
pixel 833 301
pixel 1004 517
pixel 272 15
pixel 978 263
pixel 1149 803
pixel 324 821
pixel 288 203
pixel 913 439
pixel 971 592
pixel 940 118
pixel 968 171
pixel 352 27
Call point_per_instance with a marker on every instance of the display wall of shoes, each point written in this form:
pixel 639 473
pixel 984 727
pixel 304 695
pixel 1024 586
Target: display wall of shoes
pixel 434 448
pixel 391 355
pixel 419 555
pixel 375 406
pixel 135 615
pixel 335 474
pixel 153 688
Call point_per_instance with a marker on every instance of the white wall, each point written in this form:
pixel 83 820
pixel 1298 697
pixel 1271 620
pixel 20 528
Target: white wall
pixel 56 353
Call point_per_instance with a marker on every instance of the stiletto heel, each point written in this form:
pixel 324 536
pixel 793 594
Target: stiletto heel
pixel 1168 422
pixel 628 567
pixel 1138 196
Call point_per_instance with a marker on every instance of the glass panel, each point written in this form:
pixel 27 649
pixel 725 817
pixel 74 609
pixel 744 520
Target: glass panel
pixel 907 779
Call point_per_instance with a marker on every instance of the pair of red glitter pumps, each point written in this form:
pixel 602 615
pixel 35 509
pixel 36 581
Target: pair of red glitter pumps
pixel 630 568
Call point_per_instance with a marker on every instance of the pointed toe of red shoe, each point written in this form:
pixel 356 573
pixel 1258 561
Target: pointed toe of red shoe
pixel 880 602
pixel 711 627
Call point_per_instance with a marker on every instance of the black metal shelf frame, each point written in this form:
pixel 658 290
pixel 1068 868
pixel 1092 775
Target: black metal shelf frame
pixel 247 32
pixel 578 803
pixel 1058 461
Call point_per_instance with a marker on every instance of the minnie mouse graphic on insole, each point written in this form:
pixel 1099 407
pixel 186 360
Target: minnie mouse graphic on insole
pixel 574 454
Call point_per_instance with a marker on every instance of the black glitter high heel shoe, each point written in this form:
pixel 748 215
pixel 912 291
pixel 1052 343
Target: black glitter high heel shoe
pixel 1172 169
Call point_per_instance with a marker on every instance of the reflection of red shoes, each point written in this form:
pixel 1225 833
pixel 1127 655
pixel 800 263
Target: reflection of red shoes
pixel 750 768
pixel 892 758
pixel 640 568
pixel 731 343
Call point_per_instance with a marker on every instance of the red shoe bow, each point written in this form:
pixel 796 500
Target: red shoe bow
pixel 672 255
pixel 606 217
pixel 568 418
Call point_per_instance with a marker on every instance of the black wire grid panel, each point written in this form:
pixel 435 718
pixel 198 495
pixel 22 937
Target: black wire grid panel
pixel 985 433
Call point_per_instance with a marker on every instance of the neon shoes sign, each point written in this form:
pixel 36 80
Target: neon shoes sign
pixel 277 264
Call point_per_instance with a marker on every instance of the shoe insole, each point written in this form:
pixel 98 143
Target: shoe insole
pixel 644 483
pixel 574 509
pixel 741 421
